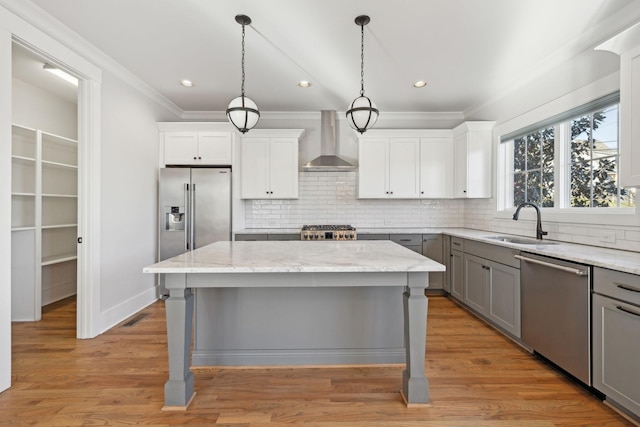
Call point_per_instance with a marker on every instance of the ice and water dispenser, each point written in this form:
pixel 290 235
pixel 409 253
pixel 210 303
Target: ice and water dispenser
pixel 174 218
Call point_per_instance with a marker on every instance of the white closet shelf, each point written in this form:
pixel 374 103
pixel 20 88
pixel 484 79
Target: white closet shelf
pixel 26 228
pixel 73 196
pixel 59 165
pixel 47 227
pixel 57 259
pixel 24 194
pixel 24 158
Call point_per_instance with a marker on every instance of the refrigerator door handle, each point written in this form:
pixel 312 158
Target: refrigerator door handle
pixel 187 230
pixel 193 216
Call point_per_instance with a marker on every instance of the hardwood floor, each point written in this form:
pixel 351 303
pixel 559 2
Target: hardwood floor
pixel 477 378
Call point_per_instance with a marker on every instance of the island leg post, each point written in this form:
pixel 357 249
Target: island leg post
pixel 415 386
pixel 178 390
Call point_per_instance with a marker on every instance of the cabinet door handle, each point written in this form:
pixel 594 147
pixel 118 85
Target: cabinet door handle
pixel 626 287
pixel 626 310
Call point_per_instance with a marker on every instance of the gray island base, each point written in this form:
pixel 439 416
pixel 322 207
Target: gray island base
pixel 321 268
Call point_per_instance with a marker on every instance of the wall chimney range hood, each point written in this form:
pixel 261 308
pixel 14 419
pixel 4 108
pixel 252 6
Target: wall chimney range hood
pixel 328 161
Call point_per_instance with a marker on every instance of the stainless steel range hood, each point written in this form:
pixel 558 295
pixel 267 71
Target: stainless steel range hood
pixel 328 160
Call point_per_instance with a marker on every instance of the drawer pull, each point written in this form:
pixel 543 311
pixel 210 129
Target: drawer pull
pixel 626 310
pixel 456 244
pixel 626 287
pixel 405 240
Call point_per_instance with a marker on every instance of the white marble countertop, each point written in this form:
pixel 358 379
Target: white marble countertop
pixel 297 256
pixel 613 259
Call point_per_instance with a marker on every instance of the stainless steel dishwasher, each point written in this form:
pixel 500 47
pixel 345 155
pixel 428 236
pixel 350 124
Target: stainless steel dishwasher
pixel 556 312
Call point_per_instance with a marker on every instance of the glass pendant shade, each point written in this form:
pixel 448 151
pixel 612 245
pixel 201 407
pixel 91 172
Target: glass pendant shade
pixel 362 114
pixel 243 113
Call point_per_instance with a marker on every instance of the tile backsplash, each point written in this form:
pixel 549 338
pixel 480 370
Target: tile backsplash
pixel 330 198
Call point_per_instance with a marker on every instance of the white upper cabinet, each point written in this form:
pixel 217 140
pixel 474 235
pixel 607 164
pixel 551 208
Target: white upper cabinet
pixel 389 167
pixel 627 45
pixel 405 164
pixel 269 166
pixel 436 154
pixel 201 143
pixel 472 160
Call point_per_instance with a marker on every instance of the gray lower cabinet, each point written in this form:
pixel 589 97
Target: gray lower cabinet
pixel 244 237
pixel 250 237
pixel 457 275
pixel 616 337
pixel 432 247
pixel 492 284
pixel 446 258
pixel 475 283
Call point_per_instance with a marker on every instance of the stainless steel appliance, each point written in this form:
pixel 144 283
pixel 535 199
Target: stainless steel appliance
pixel 194 210
pixel 556 312
pixel 328 232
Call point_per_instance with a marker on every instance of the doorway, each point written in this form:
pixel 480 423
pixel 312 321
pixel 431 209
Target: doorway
pixel 44 191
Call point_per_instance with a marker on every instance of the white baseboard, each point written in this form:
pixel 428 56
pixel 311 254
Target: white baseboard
pixel 115 315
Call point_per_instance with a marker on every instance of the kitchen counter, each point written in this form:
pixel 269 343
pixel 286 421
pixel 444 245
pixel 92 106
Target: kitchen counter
pixel 613 259
pixel 296 302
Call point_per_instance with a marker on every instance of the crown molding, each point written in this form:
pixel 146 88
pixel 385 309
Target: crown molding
pixel 44 22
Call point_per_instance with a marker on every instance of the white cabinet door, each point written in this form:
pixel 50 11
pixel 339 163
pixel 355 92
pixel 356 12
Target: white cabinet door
pixel 283 168
pixel 269 168
pixel 255 168
pixel 629 114
pixel 404 168
pixel 214 148
pixel 435 168
pixel 472 160
pixel 373 168
pixel 181 148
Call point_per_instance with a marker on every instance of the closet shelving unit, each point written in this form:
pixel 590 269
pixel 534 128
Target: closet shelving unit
pixel 44 220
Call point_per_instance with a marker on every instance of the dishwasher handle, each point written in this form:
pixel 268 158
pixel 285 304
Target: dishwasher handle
pixel 575 271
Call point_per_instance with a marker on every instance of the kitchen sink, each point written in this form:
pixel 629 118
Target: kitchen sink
pixel 521 240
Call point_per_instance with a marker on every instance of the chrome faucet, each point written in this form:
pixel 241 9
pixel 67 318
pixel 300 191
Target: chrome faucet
pixel 539 232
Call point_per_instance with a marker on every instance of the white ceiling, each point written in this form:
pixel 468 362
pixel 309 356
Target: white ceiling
pixel 468 51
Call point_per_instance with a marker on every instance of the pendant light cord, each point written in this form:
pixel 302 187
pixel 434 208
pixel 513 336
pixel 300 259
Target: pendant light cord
pixel 361 60
pixel 242 88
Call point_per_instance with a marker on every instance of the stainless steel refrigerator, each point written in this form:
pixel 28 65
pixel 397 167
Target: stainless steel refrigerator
pixel 194 210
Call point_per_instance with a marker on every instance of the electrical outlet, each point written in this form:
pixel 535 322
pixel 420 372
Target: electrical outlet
pixel 607 236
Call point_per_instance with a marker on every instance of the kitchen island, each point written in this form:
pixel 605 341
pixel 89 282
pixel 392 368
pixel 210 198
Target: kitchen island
pixel 319 270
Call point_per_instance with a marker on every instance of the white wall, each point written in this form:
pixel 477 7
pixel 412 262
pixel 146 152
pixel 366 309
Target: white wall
pixel 39 109
pixel 129 169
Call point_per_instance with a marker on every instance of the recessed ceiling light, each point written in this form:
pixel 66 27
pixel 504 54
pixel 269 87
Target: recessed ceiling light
pixel 186 83
pixel 420 84
pixel 304 83
pixel 60 73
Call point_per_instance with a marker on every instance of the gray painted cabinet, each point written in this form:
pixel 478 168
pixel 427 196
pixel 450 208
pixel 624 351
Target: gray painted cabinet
pixel 486 278
pixel 616 337
pixel 456 276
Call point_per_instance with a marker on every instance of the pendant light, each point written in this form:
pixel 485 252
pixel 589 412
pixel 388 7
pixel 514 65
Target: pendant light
pixel 362 113
pixel 242 111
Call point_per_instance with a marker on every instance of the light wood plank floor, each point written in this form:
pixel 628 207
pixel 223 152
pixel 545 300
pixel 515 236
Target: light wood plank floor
pixel 477 376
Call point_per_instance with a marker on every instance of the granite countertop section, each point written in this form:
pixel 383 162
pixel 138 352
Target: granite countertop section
pixel 626 261
pixel 297 257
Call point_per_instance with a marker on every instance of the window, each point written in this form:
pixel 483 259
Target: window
pixel 569 164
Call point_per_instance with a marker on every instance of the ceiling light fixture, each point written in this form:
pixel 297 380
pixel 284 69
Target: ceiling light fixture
pixel 186 83
pixel 362 113
pixel 242 111
pixel 60 73
pixel 419 84
pixel 304 83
